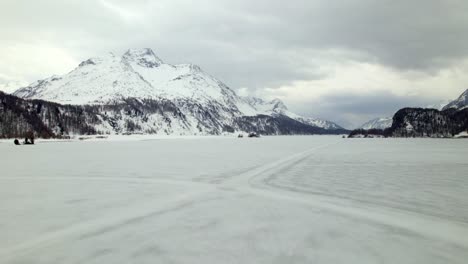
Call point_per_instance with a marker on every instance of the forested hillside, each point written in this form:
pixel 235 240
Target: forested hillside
pixel 134 116
pixel 421 122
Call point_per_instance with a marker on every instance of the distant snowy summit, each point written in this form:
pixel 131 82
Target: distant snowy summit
pixel 386 122
pixel 198 102
pixel 378 123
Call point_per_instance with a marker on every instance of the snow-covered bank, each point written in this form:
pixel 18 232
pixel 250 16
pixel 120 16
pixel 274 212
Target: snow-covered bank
pixel 136 137
pixel 462 135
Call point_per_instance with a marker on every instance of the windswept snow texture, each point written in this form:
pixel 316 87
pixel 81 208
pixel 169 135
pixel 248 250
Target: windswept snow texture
pixel 281 200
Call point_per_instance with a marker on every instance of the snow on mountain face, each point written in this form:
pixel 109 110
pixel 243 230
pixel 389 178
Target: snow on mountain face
pixel 277 107
pixel 142 57
pixel 94 81
pixel 378 123
pixel 136 74
pixel 140 74
pixel 262 107
pixel 460 103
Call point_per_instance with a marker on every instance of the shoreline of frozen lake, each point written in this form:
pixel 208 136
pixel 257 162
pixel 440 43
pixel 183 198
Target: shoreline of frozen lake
pixel 85 138
pixel 285 199
pixel 111 138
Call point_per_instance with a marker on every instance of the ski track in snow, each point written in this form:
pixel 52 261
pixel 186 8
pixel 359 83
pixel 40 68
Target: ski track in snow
pixel 253 181
pixel 130 215
pixel 101 225
pixel 256 182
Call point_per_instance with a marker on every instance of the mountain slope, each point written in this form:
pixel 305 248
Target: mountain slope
pixel 417 122
pixel 378 123
pixel 386 122
pixel 422 122
pixel 208 105
pixel 460 103
pixel 19 117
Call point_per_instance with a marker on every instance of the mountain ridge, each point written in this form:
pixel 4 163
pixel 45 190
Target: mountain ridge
pixel 460 103
pixel 386 122
pixel 140 75
pixel 449 122
pixel 19 117
pixel 378 123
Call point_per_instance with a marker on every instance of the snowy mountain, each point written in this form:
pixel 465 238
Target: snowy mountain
pixel 378 123
pixel 430 121
pixel 199 103
pixel 421 122
pixel 136 74
pixel 460 103
pixel 386 122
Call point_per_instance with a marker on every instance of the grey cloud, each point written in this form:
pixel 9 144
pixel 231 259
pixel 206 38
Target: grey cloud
pixel 247 43
pixel 254 44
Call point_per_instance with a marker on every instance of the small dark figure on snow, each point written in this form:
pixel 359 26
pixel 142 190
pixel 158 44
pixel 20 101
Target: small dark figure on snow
pixel 16 142
pixel 29 139
pixel 253 135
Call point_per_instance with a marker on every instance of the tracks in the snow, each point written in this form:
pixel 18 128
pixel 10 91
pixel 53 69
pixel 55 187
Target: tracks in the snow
pixel 248 178
pixel 118 218
pixel 253 181
pixel 111 221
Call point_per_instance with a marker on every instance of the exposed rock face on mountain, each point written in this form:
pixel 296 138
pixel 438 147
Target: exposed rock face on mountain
pixel 460 103
pixel 199 104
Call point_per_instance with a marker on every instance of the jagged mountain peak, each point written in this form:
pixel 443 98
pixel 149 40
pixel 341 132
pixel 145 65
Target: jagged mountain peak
pixel 140 74
pixel 144 57
pixel 278 105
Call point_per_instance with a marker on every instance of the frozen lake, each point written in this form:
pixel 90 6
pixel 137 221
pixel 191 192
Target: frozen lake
pixel 319 199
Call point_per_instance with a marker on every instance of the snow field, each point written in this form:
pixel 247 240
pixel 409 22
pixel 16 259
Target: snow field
pixel 318 199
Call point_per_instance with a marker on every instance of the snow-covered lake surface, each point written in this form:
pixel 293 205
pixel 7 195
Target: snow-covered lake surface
pixel 319 199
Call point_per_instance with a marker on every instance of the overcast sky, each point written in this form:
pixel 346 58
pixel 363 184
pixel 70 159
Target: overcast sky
pixel 347 60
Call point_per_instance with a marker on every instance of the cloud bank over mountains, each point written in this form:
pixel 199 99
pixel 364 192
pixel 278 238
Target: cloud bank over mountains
pixel 345 61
